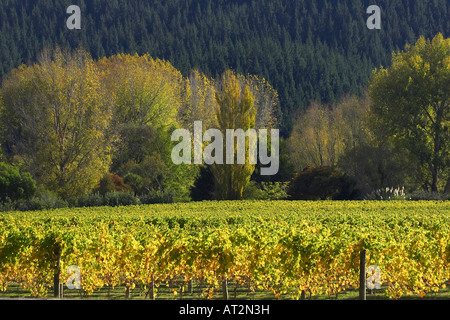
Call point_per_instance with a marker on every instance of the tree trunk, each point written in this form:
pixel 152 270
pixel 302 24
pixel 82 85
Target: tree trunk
pixel 434 182
pixel 437 150
pixel 225 288
pixel 447 186
pixel 434 176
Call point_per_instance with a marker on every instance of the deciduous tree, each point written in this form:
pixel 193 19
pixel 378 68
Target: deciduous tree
pixel 236 110
pixel 411 104
pixel 56 116
pixel 146 91
pixel 323 133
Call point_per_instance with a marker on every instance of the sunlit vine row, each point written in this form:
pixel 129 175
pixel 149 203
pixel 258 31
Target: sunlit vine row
pixel 285 248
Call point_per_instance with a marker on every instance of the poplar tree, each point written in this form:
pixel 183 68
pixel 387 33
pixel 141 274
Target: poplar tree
pixel 236 110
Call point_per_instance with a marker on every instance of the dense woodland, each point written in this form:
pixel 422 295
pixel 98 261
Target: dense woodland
pixel 308 50
pixel 139 69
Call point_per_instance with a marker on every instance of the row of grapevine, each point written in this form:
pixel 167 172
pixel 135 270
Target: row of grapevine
pixel 281 247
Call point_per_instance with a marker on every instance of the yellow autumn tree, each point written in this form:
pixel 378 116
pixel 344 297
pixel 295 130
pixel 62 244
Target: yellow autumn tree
pixel 201 102
pixel 266 103
pixel 232 101
pixel 146 91
pixel 235 110
pixel 56 116
pixel 322 134
pixel 148 98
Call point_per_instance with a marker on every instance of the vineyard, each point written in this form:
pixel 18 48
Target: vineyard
pixel 285 248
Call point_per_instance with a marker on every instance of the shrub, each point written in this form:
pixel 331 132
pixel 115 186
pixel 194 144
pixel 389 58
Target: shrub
pixel 266 191
pixel 424 195
pixel 158 196
pixel 322 183
pixel 115 199
pixel 136 182
pixel 91 199
pixel 7 205
pixel 387 194
pixel 111 183
pixel 14 184
pixel 43 200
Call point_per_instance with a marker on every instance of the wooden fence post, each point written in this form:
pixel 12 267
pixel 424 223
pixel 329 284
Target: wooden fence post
pixel 127 292
pixel 191 286
pixel 57 273
pixel 151 291
pixel 225 288
pixel 303 295
pixel 362 275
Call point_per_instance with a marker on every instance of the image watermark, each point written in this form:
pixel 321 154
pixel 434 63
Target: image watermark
pixel 374 21
pixel 373 277
pixel 74 280
pixel 238 145
pixel 74 21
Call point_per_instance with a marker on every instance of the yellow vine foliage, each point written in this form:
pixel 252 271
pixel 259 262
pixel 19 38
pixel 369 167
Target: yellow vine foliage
pixel 282 247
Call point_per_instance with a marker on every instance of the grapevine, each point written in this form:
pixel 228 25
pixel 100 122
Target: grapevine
pixel 283 247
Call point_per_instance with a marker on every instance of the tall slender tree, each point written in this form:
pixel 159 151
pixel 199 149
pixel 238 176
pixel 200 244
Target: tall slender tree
pixel 236 110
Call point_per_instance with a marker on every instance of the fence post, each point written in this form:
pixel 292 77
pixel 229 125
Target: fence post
pixel 362 275
pixel 303 295
pixel 151 291
pixel 225 288
pixel 191 286
pixel 57 273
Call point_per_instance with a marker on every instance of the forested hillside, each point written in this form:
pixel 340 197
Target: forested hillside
pixel 308 50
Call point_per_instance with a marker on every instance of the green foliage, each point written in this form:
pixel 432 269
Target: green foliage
pixel 55 116
pixel 91 199
pixel 43 200
pixel 266 191
pixel 69 120
pixel 111 198
pixel 143 159
pixel 279 41
pixel 15 185
pixel 322 134
pixel 203 188
pixel 275 246
pixel 115 199
pixel 411 105
pixel 158 196
pixel 286 168
pixel 375 166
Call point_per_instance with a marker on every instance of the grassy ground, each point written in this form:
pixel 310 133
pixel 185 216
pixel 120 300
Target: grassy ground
pixel 15 291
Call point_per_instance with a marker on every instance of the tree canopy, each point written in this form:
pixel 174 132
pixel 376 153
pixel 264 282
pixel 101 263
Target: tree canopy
pixel 411 104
